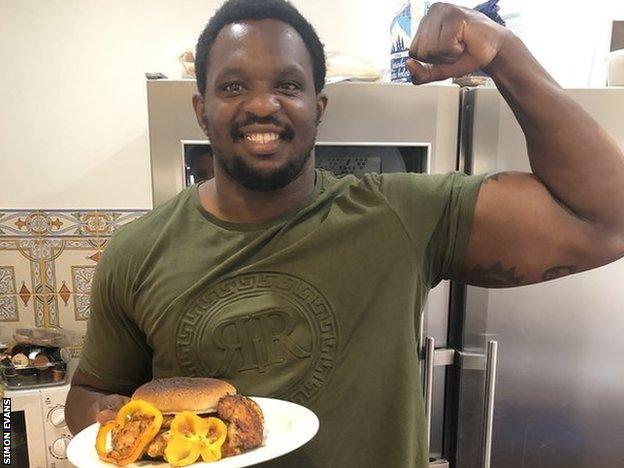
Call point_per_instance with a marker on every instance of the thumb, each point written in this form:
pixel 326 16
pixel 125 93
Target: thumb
pixel 427 72
pixel 105 408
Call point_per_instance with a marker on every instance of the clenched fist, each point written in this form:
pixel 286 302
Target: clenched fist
pixel 453 41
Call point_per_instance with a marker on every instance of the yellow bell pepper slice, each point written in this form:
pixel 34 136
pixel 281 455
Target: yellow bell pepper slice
pixel 101 439
pixel 193 437
pixel 124 416
pixel 181 451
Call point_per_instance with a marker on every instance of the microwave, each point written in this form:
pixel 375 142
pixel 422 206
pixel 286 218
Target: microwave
pixel 368 127
pixel 338 157
pixel 39 434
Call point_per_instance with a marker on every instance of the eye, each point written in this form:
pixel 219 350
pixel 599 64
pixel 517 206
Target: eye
pixel 289 87
pixel 232 87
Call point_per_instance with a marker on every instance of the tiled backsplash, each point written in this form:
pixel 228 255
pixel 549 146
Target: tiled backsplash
pixel 47 260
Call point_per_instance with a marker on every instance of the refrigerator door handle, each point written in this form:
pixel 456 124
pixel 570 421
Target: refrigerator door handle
pixel 428 382
pixel 488 414
pixel 433 357
pixel 467 360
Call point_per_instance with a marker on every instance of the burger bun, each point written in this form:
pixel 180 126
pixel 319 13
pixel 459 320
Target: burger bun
pixel 176 394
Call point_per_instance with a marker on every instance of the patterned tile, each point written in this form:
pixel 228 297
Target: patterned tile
pixel 46 310
pixel 110 221
pixel 8 307
pixel 82 307
pixel 64 223
pixel 47 261
pixel 7 280
pixel 8 296
pixel 82 277
pixel 41 223
pixel 26 319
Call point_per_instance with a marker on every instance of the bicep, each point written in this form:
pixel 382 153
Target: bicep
pixel 521 234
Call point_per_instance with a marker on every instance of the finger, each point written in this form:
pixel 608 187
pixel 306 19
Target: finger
pixel 105 415
pixel 425 45
pixel 451 45
pixel 428 72
pixel 113 401
pixel 420 72
pixel 443 45
pixel 429 45
pixel 119 401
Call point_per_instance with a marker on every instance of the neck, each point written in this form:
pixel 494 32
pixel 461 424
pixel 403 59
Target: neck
pixel 230 201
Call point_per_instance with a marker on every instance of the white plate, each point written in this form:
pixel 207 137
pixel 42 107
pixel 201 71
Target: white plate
pixel 287 426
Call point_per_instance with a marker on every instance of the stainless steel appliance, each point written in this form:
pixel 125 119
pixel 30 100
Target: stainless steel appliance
pixel 553 400
pixel 39 434
pixel 377 127
pixel 560 377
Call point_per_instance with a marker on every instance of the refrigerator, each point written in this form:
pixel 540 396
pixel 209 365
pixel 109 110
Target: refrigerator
pixel 556 395
pixel 519 377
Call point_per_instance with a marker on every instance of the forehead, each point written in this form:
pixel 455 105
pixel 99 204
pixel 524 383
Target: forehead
pixel 258 43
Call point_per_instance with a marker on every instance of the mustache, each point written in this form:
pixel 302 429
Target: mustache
pixel 287 132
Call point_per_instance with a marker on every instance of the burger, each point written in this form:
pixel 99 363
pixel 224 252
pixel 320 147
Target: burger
pixel 182 420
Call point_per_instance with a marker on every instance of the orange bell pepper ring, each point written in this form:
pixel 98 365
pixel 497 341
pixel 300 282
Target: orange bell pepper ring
pixel 193 437
pixel 145 415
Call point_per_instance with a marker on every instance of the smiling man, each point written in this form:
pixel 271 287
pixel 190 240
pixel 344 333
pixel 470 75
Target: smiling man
pixel 260 102
pixel 294 284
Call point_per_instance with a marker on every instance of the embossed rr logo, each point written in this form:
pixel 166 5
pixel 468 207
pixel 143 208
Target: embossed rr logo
pixel 257 341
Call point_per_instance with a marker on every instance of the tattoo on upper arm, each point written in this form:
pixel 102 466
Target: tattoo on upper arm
pixel 493 277
pixel 559 271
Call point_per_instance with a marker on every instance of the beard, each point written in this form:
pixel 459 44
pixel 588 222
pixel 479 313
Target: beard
pixel 250 177
pixel 259 181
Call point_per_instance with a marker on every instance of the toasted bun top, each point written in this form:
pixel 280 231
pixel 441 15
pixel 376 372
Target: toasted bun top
pixel 176 394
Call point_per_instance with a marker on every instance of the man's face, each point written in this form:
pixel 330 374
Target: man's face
pixel 260 109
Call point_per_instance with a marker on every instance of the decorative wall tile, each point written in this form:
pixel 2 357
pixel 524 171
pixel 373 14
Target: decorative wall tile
pixel 82 306
pixel 82 277
pixel 46 310
pixel 8 298
pixel 47 262
pixel 7 280
pixel 64 223
pixel 110 221
pixel 8 308
pixel 25 316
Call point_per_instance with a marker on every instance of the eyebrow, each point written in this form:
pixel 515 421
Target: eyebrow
pixel 289 70
pixel 229 71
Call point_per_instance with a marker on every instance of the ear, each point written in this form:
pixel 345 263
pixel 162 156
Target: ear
pixel 200 112
pixel 321 105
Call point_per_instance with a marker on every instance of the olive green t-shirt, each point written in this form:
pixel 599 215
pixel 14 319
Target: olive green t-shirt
pixel 320 307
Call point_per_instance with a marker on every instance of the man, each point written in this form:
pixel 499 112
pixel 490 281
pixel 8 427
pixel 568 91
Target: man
pixel 273 276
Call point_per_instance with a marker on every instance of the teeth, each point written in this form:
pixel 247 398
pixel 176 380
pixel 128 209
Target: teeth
pixel 262 137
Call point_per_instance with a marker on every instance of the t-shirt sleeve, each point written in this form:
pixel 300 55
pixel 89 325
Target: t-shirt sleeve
pixel 115 350
pixel 436 211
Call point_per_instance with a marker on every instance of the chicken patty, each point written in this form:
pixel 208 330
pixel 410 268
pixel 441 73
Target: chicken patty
pixel 124 436
pixel 244 420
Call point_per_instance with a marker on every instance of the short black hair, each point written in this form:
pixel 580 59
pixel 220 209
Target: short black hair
pixel 239 10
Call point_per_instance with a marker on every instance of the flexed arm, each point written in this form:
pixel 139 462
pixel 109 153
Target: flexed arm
pixel 568 215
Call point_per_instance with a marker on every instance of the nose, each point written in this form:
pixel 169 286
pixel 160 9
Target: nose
pixel 262 104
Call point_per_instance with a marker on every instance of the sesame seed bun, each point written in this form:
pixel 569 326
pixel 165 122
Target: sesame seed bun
pixel 176 394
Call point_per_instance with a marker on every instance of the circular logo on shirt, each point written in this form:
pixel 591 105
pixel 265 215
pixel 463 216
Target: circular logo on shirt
pixel 269 333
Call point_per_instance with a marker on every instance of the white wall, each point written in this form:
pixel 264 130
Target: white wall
pixel 73 121
pixel 571 37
